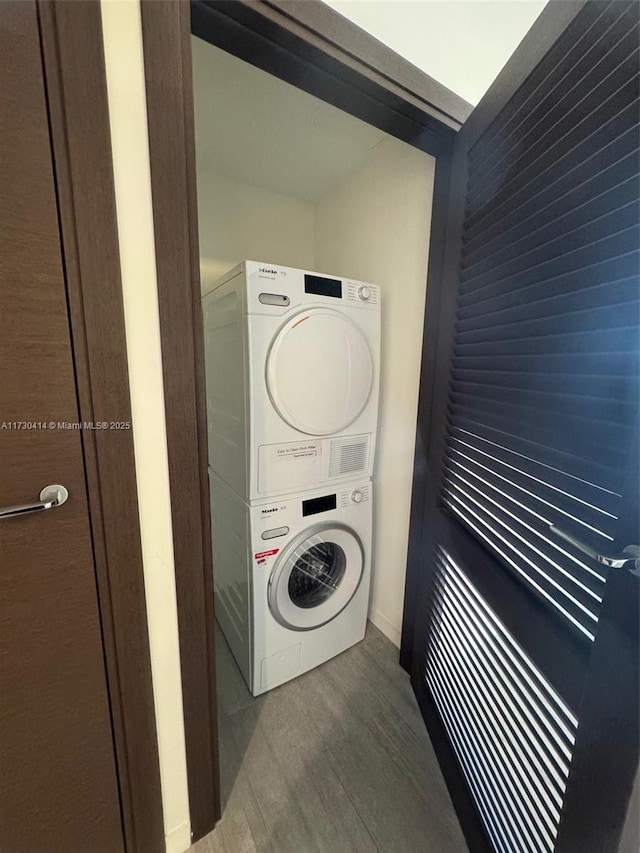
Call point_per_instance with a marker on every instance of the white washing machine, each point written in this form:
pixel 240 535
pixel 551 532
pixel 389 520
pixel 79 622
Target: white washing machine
pixel 291 577
pixel 292 372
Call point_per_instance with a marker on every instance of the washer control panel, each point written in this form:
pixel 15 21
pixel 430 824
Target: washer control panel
pixel 275 520
pixel 355 496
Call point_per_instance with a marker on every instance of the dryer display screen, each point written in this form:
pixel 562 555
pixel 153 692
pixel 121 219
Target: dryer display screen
pixel 315 505
pixel 323 286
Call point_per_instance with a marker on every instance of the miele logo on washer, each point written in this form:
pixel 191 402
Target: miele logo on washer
pixel 264 269
pixel 270 509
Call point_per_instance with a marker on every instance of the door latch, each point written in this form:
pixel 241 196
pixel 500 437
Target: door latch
pixel 629 558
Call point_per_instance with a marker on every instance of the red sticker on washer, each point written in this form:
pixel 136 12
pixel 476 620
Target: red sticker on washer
pixel 262 554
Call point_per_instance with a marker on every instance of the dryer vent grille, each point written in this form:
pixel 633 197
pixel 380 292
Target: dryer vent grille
pixel 349 455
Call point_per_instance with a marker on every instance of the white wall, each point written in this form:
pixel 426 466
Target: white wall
pixel 128 120
pixel 239 221
pixel 375 227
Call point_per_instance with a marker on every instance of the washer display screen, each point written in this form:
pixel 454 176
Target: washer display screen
pixel 315 505
pixel 317 574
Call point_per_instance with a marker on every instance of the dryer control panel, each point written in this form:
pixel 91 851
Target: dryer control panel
pixel 272 289
pixel 367 294
pixel 355 496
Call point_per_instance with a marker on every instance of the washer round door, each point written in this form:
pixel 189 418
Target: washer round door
pixel 316 576
pixel 319 372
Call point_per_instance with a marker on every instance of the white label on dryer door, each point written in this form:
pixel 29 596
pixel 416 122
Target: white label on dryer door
pixel 289 466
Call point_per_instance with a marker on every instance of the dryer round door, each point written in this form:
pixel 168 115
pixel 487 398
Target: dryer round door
pixel 319 372
pixel 316 577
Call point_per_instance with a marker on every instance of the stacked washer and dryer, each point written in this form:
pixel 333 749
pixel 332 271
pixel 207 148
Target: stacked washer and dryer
pixel 292 374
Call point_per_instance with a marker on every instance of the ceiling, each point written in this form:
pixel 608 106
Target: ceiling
pixel 463 44
pixel 260 130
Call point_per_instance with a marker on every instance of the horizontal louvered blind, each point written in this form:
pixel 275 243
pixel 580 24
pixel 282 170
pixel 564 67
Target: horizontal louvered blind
pixel 544 381
pixel 511 732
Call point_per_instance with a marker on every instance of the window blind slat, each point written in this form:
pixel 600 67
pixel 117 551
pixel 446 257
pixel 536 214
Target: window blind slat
pixel 569 194
pixel 538 499
pixel 545 407
pixel 565 364
pixel 563 253
pixel 594 389
pixel 617 115
pixel 584 475
pixel 602 320
pixel 556 67
pixel 551 298
pixel 591 341
pixel 512 734
pixel 543 389
pixel 557 137
pixel 594 78
pixel 574 213
pixel 602 148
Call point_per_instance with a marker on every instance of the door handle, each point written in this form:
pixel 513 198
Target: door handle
pixel 50 496
pixel 630 554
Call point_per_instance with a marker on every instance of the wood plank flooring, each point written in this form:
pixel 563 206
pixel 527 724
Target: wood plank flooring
pixel 336 761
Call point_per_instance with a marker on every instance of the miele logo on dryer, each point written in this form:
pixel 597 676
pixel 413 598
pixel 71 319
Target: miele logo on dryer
pixel 264 269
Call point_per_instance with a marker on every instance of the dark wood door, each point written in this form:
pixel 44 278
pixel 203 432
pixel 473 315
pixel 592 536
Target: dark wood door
pixel 58 784
pixel 526 646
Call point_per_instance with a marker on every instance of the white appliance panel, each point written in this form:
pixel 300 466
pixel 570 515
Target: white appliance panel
pixel 297 465
pixel 319 372
pixel 288 369
pixel 300 594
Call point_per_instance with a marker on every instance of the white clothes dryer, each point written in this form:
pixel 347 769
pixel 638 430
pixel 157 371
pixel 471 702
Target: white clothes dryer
pixel 292 372
pixel 291 577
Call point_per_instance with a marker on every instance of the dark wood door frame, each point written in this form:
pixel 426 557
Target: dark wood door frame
pixel 167 61
pixel 73 64
pixel 314 48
